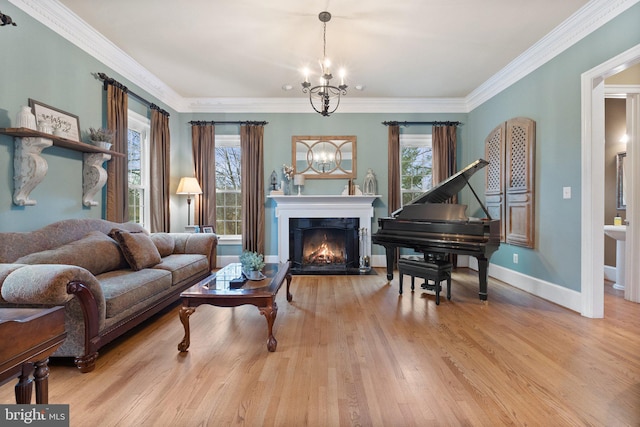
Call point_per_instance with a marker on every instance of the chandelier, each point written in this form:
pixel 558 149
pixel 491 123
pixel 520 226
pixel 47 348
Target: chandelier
pixel 322 95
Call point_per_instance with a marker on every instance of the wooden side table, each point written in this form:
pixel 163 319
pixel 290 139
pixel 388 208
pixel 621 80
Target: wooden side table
pixel 29 336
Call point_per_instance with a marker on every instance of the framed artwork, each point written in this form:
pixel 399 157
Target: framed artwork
pixel 207 229
pixel 65 125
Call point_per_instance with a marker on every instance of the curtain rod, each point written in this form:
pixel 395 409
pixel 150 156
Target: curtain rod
pixel 422 123
pixel 109 81
pixel 242 122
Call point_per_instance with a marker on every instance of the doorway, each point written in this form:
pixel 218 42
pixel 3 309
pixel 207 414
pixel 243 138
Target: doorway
pixel 592 214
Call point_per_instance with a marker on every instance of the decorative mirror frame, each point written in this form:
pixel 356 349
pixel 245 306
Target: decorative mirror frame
pixel 620 192
pixel 337 150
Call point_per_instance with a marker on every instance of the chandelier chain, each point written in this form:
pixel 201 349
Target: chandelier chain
pixel 324 44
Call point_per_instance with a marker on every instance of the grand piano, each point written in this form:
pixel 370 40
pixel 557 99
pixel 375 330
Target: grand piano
pixel 428 225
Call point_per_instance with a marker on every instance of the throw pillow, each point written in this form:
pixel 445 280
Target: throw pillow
pixel 96 252
pixel 164 242
pixel 138 249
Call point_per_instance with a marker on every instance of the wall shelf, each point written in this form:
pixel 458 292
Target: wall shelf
pixel 58 141
pixel 30 168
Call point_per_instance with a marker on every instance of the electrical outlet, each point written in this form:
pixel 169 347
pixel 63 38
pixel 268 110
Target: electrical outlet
pixel 515 258
pixel 566 192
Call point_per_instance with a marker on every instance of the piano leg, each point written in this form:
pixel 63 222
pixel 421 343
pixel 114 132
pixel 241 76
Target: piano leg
pixel 483 267
pixel 391 259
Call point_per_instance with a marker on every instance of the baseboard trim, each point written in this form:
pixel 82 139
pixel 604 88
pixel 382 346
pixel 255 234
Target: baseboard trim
pixel 610 273
pixel 560 295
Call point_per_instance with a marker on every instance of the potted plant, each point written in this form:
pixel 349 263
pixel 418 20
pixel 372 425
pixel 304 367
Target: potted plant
pixel 101 137
pixel 252 264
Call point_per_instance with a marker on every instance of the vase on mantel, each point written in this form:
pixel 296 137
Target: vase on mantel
pixel 25 118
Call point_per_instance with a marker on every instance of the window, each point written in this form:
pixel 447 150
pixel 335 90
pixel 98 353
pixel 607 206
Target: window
pixel 228 187
pixel 138 164
pixel 415 166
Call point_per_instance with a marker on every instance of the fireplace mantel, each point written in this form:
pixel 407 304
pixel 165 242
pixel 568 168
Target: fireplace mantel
pixel 319 206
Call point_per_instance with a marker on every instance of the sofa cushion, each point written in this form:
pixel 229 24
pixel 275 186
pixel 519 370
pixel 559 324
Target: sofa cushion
pixel 164 243
pixel 96 252
pixel 123 289
pixel 184 267
pixel 138 249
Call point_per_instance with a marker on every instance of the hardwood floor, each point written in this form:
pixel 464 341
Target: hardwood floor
pixel 351 351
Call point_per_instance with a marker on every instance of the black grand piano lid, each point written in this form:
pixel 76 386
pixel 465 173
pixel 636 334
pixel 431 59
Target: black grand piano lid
pixel 450 186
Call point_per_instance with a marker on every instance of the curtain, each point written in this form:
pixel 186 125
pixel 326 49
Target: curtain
pixel 203 137
pixel 203 145
pixel 444 154
pixel 251 146
pixel 117 209
pixel 159 171
pixel 394 184
pixel 444 161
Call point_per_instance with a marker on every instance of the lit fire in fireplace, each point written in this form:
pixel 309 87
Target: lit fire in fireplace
pixel 323 253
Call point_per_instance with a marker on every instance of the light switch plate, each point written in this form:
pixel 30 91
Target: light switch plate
pixel 566 192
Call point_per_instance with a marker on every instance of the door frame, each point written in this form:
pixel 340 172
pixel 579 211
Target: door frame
pixel 592 192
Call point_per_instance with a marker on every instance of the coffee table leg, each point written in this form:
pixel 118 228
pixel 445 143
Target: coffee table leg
pixel 289 296
pixel 185 312
pixel 270 313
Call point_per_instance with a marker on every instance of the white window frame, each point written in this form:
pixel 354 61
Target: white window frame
pixel 142 125
pixel 228 141
pixel 412 140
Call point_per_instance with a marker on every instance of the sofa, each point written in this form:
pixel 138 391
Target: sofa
pixel 110 277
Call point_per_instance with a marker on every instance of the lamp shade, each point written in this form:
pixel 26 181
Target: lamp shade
pixel 298 179
pixel 189 185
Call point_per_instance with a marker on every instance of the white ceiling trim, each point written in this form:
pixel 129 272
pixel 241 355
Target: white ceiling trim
pixel 64 22
pixel 347 105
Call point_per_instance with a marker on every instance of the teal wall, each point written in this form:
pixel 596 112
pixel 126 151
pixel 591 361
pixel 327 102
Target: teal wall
pixel 39 64
pixel 551 96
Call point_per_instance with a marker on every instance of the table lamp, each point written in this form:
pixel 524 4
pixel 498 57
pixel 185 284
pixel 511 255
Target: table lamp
pixel 298 179
pixel 188 186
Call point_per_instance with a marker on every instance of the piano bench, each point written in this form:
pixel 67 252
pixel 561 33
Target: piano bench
pixel 436 271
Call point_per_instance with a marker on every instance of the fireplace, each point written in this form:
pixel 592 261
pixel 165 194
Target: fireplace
pixel 312 207
pixel 324 245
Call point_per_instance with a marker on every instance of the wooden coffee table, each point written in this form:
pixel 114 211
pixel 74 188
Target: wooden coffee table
pixel 216 290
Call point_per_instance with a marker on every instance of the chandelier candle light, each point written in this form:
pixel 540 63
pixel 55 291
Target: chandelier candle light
pixel 188 186
pixel 320 96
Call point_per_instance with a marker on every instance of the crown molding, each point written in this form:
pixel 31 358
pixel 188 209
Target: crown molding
pixel 620 91
pixel 347 105
pixel 586 20
pixel 64 22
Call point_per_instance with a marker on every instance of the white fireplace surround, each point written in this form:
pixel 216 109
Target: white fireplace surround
pixel 320 207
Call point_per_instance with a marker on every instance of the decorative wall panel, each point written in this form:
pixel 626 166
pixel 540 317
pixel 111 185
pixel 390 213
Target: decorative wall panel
pixel 510 187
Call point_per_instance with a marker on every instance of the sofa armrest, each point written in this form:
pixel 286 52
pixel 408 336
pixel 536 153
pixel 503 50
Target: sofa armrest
pixel 46 284
pixel 196 243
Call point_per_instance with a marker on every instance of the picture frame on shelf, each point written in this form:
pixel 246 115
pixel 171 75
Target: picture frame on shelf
pixel 207 229
pixel 64 124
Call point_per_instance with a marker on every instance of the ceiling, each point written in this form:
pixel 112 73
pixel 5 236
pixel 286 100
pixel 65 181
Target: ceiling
pixel 394 49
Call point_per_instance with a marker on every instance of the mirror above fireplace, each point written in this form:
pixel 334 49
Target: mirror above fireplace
pixel 328 157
